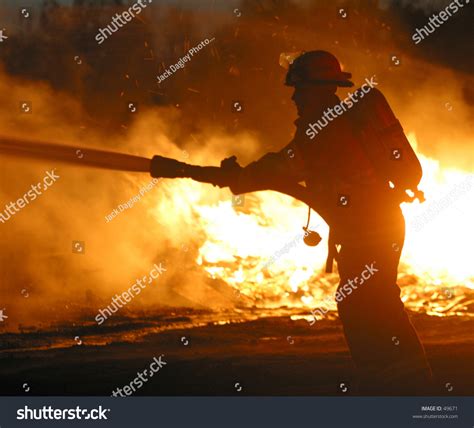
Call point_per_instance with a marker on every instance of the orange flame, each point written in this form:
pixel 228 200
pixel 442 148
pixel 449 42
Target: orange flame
pixel 258 250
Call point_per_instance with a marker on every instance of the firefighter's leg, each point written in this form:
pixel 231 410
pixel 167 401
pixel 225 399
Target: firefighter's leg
pixel 384 345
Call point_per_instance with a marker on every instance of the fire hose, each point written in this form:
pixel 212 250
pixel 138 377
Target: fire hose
pixel 73 155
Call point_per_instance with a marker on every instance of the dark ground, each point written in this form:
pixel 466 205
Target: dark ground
pixel 271 356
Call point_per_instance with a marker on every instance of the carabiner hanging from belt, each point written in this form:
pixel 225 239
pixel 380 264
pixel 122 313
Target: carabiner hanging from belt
pixel 311 238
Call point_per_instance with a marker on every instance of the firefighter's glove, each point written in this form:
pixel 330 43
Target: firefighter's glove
pixel 230 170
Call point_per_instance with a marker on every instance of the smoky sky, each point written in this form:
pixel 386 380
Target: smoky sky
pixel 242 64
pixel 449 45
pixel 426 83
pixel 413 13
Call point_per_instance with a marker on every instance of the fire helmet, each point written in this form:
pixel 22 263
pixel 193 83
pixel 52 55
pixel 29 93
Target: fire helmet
pixel 316 67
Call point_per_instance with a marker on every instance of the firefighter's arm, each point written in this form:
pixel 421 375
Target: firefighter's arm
pixel 274 171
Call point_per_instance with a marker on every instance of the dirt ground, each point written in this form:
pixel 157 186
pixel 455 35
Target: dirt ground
pixel 268 356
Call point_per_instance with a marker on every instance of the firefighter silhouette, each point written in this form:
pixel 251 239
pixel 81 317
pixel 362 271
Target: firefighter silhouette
pixel 357 167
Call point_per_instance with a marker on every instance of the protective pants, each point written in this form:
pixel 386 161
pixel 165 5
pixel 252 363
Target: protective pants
pixel 385 347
